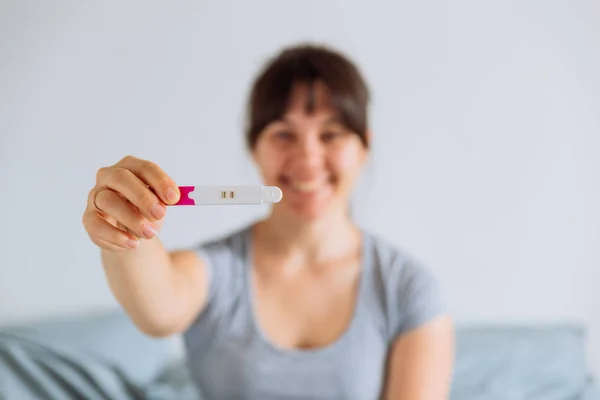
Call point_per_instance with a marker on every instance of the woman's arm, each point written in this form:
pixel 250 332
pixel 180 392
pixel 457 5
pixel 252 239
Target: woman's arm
pixel 161 292
pixel 421 363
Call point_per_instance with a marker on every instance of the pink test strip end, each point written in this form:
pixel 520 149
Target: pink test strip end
pixel 185 200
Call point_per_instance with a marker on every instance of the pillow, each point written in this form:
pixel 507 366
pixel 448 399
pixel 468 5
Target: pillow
pixel 517 362
pixel 108 337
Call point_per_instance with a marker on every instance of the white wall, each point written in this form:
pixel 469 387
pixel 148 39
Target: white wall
pixel 485 118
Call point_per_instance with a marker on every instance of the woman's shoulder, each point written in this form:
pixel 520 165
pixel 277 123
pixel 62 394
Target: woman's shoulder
pixel 409 290
pixel 392 260
pixel 225 255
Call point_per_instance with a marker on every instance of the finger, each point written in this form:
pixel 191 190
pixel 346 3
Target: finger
pixel 127 184
pixel 152 175
pixel 117 207
pixel 108 246
pixel 105 235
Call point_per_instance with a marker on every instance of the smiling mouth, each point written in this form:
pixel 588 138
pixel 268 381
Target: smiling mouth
pixel 307 186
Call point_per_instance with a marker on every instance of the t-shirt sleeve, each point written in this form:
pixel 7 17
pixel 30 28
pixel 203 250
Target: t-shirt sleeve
pixel 418 297
pixel 219 261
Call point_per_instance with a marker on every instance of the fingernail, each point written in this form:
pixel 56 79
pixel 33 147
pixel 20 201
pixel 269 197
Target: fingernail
pixel 172 195
pixel 158 211
pixel 149 230
pixel 133 243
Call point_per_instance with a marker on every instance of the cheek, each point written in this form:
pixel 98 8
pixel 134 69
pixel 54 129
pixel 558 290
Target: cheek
pixel 347 161
pixel 270 162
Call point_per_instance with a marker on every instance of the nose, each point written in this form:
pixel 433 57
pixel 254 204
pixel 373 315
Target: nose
pixel 310 152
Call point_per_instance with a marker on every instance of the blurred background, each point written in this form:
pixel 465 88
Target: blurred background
pixel 485 115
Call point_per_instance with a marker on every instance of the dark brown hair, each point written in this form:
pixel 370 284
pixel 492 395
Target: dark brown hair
pixel 308 64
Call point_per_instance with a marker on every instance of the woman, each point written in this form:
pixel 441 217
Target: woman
pixel 304 303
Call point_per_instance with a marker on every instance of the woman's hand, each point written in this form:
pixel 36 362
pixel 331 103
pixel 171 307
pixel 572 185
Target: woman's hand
pixel 128 203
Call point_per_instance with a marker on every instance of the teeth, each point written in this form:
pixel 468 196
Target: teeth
pixel 306 186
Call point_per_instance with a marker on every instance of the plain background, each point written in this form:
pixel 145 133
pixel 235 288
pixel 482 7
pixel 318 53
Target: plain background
pixel 486 138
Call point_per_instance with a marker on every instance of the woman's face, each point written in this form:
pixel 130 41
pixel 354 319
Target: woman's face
pixel 313 158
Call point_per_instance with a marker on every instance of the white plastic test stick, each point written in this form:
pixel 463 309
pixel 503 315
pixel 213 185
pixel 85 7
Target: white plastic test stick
pixel 223 195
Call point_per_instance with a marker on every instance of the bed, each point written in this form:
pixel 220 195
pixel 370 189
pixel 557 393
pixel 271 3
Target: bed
pixel 103 356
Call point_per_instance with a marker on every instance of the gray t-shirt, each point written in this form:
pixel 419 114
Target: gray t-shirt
pixel 230 357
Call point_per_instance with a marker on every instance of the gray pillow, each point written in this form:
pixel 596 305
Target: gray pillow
pixel 108 338
pixel 518 362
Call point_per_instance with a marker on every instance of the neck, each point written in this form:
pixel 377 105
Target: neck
pixel 316 240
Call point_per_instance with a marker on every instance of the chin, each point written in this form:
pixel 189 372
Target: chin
pixel 308 211
pixel 311 214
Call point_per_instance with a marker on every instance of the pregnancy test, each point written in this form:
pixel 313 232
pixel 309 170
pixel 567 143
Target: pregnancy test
pixel 220 195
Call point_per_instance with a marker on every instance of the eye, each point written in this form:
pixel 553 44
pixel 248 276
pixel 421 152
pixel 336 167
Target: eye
pixel 330 136
pixel 283 135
